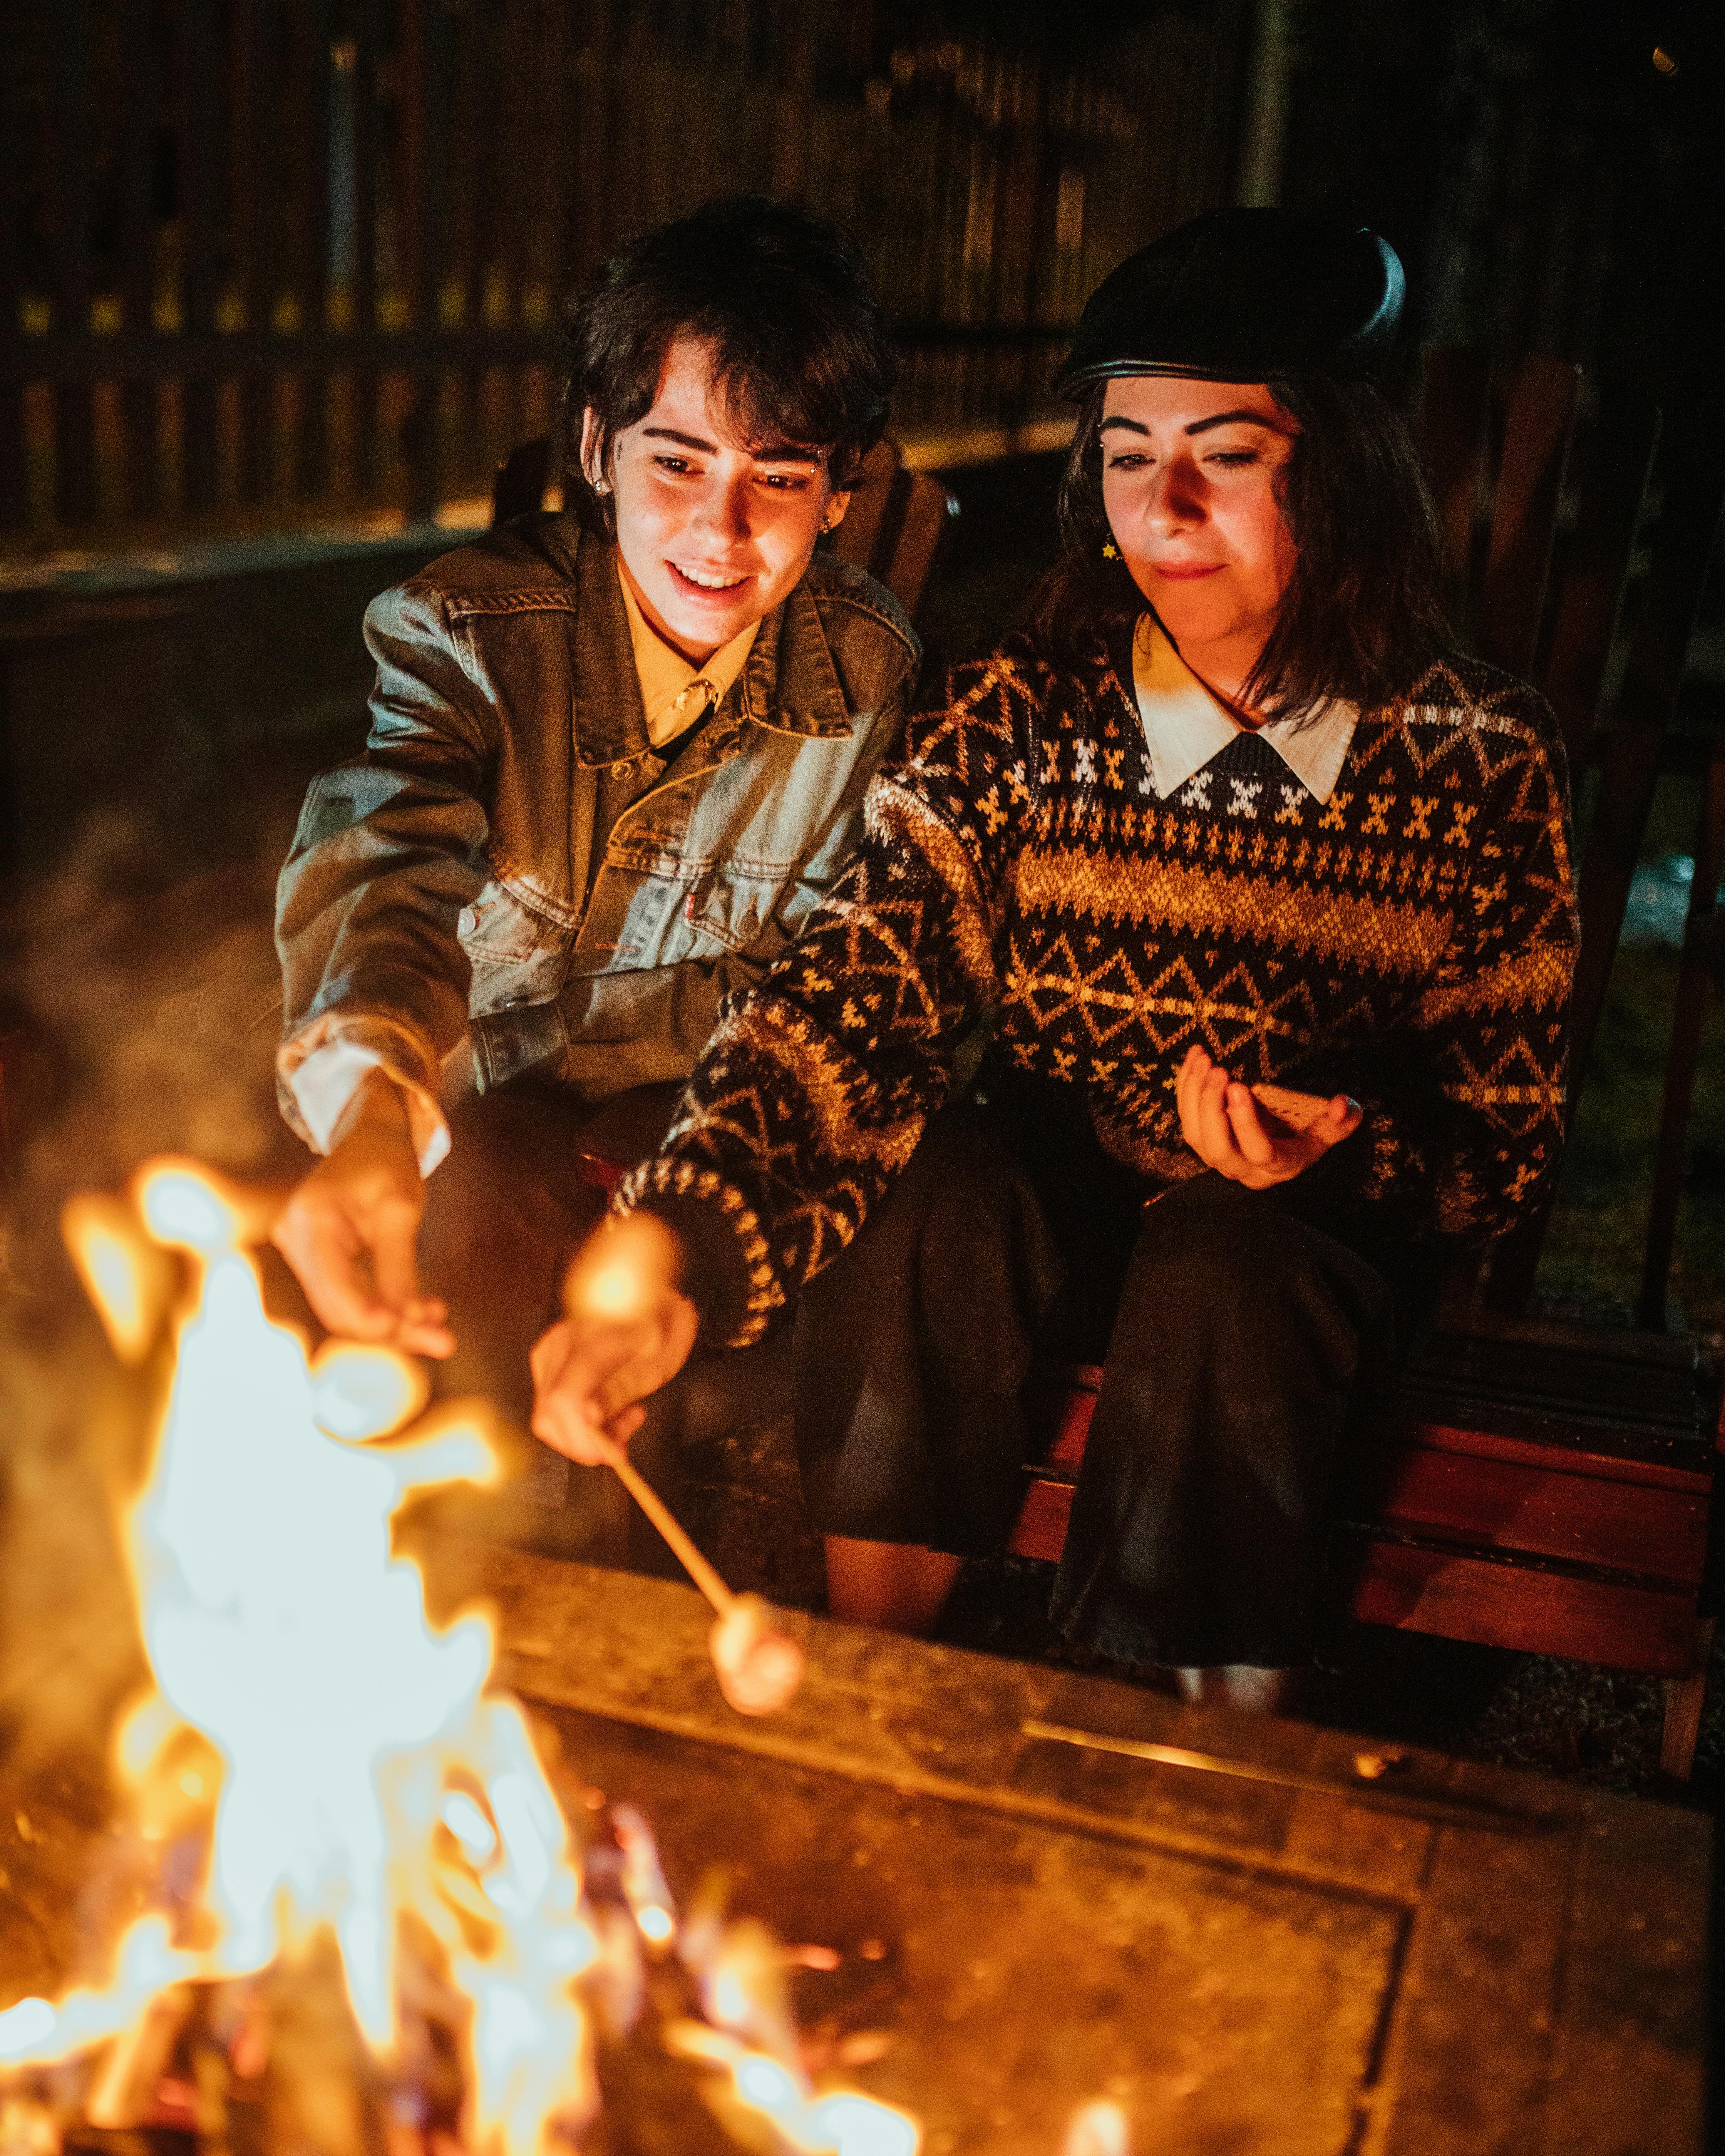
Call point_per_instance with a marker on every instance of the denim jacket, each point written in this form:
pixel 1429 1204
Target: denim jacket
pixel 448 874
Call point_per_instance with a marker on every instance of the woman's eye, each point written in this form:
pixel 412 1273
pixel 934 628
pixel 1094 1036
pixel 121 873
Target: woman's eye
pixel 670 464
pixel 1128 460
pixel 785 482
pixel 1232 457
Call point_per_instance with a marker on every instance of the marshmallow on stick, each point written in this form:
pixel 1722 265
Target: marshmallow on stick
pixel 625 1270
pixel 759 1667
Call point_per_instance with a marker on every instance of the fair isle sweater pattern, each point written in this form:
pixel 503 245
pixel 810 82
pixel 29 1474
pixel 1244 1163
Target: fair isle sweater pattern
pixel 1411 941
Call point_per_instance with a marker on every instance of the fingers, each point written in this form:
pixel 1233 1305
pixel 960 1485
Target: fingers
pixel 568 1366
pixel 423 1329
pixel 1188 1084
pixel 1254 1142
pixel 1222 1122
pixel 589 1375
pixel 1216 1146
pixel 1343 1118
pixel 326 1257
pixel 395 1257
pixel 350 1232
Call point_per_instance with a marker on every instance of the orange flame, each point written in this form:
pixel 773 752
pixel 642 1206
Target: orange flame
pixel 355 1775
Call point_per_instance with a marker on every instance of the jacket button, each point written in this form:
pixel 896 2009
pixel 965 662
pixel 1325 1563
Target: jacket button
pixel 619 771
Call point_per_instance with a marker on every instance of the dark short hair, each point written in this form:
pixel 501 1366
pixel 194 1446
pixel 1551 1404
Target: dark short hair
pixel 780 297
pixel 1362 616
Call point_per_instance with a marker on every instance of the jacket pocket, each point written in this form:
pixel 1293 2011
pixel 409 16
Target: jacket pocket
pixel 517 956
pixel 732 908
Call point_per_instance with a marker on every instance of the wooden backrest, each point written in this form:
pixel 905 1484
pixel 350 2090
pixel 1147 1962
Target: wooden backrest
pixel 896 526
pixel 1543 596
pixel 1497 457
pixel 519 483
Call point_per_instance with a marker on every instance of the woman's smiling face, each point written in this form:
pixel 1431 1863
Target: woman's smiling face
pixel 1192 484
pixel 713 532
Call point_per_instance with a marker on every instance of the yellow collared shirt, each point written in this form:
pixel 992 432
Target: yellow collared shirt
pixel 674 693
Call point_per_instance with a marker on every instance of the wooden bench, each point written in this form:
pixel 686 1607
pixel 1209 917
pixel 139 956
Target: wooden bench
pixel 1531 1489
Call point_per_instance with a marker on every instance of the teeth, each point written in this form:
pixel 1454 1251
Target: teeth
pixel 709 583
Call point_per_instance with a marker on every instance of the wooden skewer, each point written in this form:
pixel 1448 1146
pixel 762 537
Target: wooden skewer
pixel 668 1525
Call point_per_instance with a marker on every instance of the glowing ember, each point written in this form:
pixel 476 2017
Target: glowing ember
pixel 339 1758
pixel 1097 2129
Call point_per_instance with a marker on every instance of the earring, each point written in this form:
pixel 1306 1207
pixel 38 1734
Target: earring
pixel 1111 552
pixel 601 485
pixel 826 526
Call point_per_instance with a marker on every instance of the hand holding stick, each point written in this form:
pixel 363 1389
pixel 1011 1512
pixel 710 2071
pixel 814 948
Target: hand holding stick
pixel 626 1332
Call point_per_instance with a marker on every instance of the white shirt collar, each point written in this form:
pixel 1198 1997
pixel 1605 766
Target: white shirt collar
pixel 1184 726
pixel 674 693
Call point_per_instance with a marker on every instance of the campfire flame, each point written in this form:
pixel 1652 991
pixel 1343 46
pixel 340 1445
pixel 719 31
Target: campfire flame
pixel 340 1758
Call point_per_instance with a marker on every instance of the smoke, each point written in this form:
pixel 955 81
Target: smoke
pixel 121 970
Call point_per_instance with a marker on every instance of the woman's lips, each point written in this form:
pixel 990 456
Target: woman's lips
pixel 709 583
pixel 1181 573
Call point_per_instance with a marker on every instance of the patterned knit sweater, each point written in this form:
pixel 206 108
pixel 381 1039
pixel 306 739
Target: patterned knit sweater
pixel 1409 942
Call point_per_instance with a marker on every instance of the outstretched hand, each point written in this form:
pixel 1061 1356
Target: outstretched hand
pixel 349 1231
pixel 627 1330
pixel 1234 1130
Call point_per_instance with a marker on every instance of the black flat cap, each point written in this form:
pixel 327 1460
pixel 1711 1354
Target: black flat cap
pixel 1241 295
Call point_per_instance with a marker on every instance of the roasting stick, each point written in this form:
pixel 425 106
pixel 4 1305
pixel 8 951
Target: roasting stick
pixel 759 1667
pixel 668 1524
pixel 620 1274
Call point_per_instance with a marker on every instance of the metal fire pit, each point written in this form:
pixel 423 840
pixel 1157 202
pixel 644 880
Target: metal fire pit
pixel 1049 1888
pixel 1041 1889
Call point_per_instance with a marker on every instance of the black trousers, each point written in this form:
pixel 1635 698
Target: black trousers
pixel 1238 1331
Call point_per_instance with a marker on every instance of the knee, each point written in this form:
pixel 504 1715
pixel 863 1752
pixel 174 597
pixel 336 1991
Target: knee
pixel 1226 1266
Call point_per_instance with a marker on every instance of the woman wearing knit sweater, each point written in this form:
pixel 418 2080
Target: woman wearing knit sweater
pixel 1268 892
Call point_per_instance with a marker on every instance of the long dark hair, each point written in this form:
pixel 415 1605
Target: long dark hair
pixel 780 297
pixel 1362 617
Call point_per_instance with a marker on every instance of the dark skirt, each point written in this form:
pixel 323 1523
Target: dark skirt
pixel 1239 1332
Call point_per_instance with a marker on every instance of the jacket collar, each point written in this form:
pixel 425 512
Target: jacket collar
pixel 789 683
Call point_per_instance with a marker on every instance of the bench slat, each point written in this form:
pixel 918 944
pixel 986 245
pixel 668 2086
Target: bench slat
pixel 1510 1506
pixel 1648 1627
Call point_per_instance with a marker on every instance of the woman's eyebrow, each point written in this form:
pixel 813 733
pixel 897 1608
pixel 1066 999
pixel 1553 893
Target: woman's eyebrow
pixel 1235 419
pixel 770 452
pixel 687 441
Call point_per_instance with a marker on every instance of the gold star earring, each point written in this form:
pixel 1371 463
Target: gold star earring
pixel 1111 552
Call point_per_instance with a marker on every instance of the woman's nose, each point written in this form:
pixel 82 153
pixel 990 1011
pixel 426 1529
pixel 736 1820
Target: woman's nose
pixel 1176 500
pixel 725 511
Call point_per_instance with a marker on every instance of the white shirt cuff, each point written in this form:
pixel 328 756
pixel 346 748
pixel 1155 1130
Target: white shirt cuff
pixel 324 1085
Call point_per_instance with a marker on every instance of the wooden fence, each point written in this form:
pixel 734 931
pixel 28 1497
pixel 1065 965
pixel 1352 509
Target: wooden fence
pixel 264 259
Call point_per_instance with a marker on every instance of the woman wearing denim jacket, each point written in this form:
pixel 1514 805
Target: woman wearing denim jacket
pixel 616 758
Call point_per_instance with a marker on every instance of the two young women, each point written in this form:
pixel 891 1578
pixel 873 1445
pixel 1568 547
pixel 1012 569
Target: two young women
pixel 1232 813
